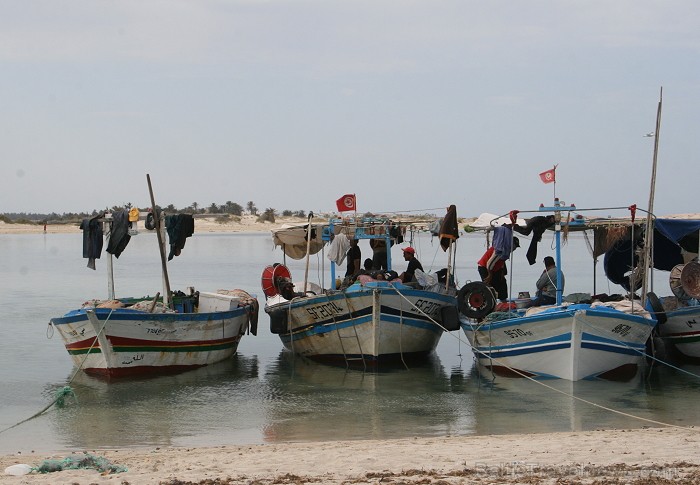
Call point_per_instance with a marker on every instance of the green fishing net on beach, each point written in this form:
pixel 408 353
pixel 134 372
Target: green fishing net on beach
pixel 76 462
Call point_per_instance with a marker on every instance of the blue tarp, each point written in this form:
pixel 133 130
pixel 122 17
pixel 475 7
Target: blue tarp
pixel 670 235
pixel 677 229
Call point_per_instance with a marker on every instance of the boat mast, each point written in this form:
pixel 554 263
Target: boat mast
pixel 110 261
pixel 308 250
pixel 161 247
pixel 648 235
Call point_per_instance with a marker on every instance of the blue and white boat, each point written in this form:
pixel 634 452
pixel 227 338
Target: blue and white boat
pixel 675 250
pixel 366 324
pixel 568 340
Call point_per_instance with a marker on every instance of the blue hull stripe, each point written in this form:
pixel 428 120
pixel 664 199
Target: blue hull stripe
pixel 321 329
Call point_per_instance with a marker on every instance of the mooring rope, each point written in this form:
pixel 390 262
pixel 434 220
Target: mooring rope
pixel 569 395
pixel 65 391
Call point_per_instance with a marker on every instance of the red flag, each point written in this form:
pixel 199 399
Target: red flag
pixel 548 176
pixel 346 203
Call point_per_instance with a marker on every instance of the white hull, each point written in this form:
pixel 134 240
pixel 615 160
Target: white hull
pixel 682 330
pixel 126 342
pixel 573 343
pixel 366 326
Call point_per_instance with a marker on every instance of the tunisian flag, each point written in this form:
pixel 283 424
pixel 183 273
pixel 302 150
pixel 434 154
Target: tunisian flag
pixel 346 203
pixel 549 176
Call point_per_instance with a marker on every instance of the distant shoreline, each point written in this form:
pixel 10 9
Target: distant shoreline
pixel 211 224
pixel 202 224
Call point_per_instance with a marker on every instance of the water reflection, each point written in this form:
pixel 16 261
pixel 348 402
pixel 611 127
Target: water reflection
pixel 163 411
pixel 321 402
pixel 294 399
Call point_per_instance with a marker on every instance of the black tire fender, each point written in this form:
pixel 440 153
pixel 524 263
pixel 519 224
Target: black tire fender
pixel 476 300
pixel 278 322
pixel 657 308
pixel 150 221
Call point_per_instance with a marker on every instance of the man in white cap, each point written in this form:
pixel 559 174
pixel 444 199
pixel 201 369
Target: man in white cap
pixel 409 254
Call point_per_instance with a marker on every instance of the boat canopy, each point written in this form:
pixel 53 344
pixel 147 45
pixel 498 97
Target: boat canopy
pixel 292 239
pixel 683 232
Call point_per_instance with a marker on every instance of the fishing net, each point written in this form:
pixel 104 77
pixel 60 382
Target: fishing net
pixel 76 462
pixel 63 394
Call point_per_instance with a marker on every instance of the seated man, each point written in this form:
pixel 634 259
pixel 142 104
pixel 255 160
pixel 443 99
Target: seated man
pixel 409 254
pixel 547 284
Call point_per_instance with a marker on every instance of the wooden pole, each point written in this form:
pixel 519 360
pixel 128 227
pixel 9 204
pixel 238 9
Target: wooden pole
pixel 648 235
pixel 156 219
pixel 308 251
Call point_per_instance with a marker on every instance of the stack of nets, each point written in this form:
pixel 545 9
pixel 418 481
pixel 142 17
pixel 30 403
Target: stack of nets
pixel 76 462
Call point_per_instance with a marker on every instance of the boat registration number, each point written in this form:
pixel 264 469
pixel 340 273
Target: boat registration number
pixel 622 329
pixel 326 310
pixel 428 307
pixel 517 332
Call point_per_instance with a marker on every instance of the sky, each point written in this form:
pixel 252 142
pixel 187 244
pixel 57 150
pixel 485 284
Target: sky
pixel 410 105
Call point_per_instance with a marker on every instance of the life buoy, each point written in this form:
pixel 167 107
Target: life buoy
pixel 476 300
pixel 150 221
pixel 274 280
pixel 657 308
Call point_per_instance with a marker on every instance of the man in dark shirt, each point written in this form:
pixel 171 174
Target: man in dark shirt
pixel 409 254
pixel 354 256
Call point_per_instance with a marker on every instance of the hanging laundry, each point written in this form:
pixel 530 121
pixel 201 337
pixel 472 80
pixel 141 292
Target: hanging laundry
pixel 338 248
pixel 92 239
pixel 179 227
pixel 119 235
pixel 536 225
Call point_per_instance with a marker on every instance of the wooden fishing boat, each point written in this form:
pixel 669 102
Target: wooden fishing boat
pixel 583 338
pixel 366 324
pixel 127 336
pixel 675 250
pixel 152 335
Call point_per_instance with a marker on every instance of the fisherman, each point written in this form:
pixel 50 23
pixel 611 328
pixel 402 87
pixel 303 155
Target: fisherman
pixel 547 284
pixel 409 254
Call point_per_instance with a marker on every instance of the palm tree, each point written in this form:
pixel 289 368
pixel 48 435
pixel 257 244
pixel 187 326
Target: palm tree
pixel 250 206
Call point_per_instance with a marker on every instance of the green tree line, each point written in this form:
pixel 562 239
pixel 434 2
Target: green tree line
pixel 228 208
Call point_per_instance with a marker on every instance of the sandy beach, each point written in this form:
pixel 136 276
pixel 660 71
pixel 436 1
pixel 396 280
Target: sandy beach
pixel 202 224
pixel 644 456
pixel 246 223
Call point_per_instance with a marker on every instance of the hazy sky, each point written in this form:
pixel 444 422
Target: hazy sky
pixel 411 105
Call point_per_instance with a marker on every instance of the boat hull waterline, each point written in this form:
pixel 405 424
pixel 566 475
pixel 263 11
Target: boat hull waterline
pixel 574 343
pixel 681 330
pixel 368 326
pixel 122 342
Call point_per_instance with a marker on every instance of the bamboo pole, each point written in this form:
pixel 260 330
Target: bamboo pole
pixel 648 235
pixel 308 251
pixel 164 265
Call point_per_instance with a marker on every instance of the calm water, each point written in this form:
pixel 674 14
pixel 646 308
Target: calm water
pixel 264 394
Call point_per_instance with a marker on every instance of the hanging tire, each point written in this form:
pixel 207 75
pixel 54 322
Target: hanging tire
pixel 657 308
pixel 476 300
pixel 150 221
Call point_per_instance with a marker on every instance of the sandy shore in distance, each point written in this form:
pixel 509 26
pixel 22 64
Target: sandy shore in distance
pixel 202 224
pixel 210 224
pixel 645 456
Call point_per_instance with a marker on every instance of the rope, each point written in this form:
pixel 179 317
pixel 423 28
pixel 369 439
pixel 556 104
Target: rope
pixel 65 391
pixel 59 401
pixel 580 399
